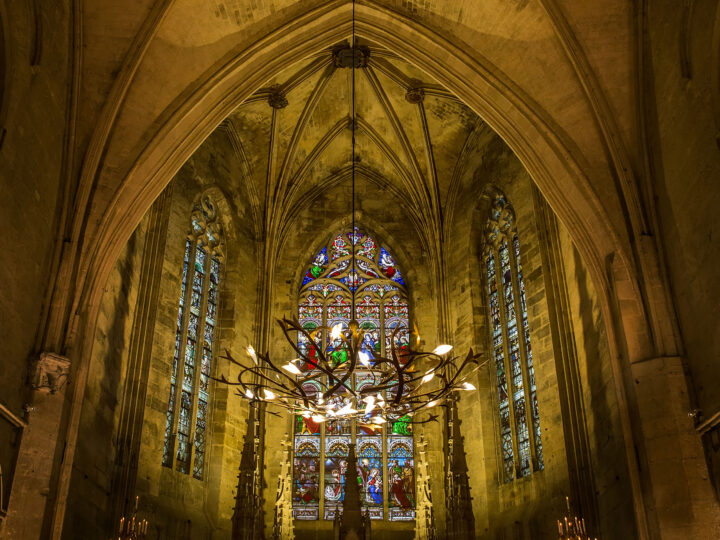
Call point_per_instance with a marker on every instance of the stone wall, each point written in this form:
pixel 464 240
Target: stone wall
pixel 683 123
pixel 33 92
pixel 90 500
pixel 526 508
pixel 181 506
pixel 602 415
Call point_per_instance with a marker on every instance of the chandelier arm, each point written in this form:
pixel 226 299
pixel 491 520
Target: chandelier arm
pixel 266 358
pixel 469 358
pixel 340 382
pixel 276 385
pixel 396 365
pixel 323 361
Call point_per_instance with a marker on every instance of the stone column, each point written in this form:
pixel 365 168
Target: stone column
pixel 680 494
pixel 134 394
pixel 30 497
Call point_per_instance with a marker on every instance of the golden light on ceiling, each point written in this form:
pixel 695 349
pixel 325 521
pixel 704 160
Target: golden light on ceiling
pixel 398 385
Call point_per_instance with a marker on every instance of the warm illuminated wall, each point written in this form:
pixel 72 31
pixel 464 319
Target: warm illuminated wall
pixel 527 507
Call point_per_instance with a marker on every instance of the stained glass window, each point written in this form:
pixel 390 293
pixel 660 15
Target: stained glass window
pixel 186 422
pixel 519 426
pixel 384 455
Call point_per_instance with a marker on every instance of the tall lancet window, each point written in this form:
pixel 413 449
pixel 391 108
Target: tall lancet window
pixel 519 419
pixel 187 416
pixel 386 467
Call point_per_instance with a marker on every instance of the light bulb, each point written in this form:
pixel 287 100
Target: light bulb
pixel 442 349
pixel 249 394
pixel 291 368
pixel 468 386
pixel 251 353
pixel 432 403
pixel 428 377
pixel 269 394
pixel 346 410
pixel 336 330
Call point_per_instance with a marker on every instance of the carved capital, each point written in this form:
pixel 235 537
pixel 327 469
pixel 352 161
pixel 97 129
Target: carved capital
pixel 49 372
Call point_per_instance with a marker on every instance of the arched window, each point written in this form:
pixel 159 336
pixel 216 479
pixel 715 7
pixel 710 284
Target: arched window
pixel 520 442
pixel 386 470
pixel 187 415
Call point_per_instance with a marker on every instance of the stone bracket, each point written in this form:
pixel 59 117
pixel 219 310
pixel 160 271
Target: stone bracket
pixel 49 373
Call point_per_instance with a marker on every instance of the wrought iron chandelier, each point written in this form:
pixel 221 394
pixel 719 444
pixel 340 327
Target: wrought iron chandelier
pixel 402 383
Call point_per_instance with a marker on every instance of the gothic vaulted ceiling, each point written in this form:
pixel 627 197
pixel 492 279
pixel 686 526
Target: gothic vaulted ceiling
pixel 294 134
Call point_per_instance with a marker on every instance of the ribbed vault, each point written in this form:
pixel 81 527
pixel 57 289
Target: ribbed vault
pixel 294 134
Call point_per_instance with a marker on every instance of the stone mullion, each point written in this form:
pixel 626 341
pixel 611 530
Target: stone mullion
pixel 386 486
pixel 493 394
pixel 202 319
pixel 506 359
pixel 183 345
pixel 381 333
pixel 321 464
pixel 384 434
pixel 522 345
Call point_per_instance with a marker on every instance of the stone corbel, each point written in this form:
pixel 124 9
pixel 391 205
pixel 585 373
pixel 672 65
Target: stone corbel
pixel 49 372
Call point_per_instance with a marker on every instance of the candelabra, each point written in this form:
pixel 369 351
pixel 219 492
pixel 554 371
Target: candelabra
pixel 132 528
pixel 572 527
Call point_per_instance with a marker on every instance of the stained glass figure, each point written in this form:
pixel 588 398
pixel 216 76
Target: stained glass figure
pixel 520 441
pixel 381 305
pixel 337 449
pixel 370 474
pixel 306 477
pixel 187 424
pixel 401 478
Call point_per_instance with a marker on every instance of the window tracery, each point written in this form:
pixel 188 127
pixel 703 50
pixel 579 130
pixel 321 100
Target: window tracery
pixel 187 415
pixel 385 456
pixel 519 425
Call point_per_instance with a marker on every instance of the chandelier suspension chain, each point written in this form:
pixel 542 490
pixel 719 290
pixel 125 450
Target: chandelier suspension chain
pixel 352 157
pixel 401 375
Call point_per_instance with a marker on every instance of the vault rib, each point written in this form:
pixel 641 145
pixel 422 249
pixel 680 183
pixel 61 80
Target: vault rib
pixel 386 149
pixel 230 129
pixel 307 111
pixel 400 133
pixel 406 83
pixel 296 181
pixel 308 198
pixel 432 169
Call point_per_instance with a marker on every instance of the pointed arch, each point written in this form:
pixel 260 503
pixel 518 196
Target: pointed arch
pixel 186 421
pixel 385 456
pixel 510 345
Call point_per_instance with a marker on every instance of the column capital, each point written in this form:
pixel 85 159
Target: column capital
pixel 49 372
